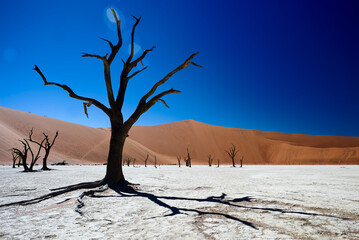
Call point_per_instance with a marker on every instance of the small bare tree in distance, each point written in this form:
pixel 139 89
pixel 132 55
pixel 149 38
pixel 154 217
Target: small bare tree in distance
pixel 27 149
pixel 128 161
pixel 188 159
pixel 146 160
pixel 210 160
pixel 47 146
pixel 22 155
pixel 232 152
pixel 119 127
pixel 179 161
pixel 15 157
pixel 242 158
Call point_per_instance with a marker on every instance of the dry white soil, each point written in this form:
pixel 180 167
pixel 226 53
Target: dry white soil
pixel 253 202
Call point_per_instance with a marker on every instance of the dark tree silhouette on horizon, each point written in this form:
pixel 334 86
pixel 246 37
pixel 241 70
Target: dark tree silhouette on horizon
pixel 232 152
pixel 179 161
pixel 119 126
pixel 15 157
pixel 210 160
pixel 47 147
pixel 146 160
pixel 23 154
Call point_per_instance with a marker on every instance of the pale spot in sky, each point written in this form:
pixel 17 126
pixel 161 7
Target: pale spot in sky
pixel 110 16
pixel 136 48
pixel 110 19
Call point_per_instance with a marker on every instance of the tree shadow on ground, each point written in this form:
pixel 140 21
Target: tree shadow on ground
pixel 222 200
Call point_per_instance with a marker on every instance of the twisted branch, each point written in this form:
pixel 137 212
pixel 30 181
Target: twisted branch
pixel 72 94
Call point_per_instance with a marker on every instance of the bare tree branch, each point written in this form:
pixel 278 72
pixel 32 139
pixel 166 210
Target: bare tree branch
pixel 128 66
pixel 144 106
pixel 72 94
pixel 137 72
pixel 114 49
pixel 170 74
pixel 96 56
pixel 133 39
pixel 107 73
pixel 109 42
pixel 135 62
pixel 163 101
pixel 33 141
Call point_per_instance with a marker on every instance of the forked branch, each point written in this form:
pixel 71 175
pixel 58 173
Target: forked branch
pixel 184 65
pixel 129 59
pixel 114 49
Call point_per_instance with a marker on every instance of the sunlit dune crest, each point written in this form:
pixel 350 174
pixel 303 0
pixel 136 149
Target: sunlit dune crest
pixel 81 144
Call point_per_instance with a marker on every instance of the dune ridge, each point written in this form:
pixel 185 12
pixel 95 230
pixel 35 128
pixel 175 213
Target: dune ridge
pixel 83 145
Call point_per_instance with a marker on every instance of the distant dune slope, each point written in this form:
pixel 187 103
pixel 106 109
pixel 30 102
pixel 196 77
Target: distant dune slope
pixel 81 144
pixel 257 147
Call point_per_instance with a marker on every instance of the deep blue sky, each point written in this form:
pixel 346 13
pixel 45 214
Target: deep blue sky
pixel 287 66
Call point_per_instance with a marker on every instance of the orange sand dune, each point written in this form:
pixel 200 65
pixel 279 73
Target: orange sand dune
pixel 257 147
pixel 81 144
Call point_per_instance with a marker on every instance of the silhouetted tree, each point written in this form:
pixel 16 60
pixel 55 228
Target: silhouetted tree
pixel 146 160
pixel 155 162
pixel 242 160
pixel 34 156
pixel 133 162
pixel 15 157
pixel 217 162
pixel 22 155
pixel 128 161
pixel 47 147
pixel 119 127
pixel 179 161
pixel 188 159
pixel 210 160
pixel 232 152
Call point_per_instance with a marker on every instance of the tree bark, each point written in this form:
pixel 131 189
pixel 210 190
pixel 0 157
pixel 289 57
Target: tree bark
pixel 44 160
pixel 114 174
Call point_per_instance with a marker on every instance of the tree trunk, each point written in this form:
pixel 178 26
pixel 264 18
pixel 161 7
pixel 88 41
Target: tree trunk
pixel 24 164
pixel 44 161
pixel 114 175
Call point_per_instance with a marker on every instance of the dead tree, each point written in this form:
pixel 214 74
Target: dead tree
pixel 22 155
pixel 217 162
pixel 188 159
pixel 155 162
pixel 15 157
pixel 128 161
pixel 232 152
pixel 242 160
pixel 119 126
pixel 34 156
pixel 210 160
pixel 46 146
pixel 146 160
pixel 133 162
pixel 179 161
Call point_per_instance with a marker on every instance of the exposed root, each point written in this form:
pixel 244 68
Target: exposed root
pixel 80 203
pixel 57 192
pixel 82 185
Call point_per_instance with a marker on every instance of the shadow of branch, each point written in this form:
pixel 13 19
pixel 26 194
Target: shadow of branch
pixel 131 192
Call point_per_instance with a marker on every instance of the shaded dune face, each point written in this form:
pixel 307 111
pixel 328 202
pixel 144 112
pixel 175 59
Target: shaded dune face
pixel 82 145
